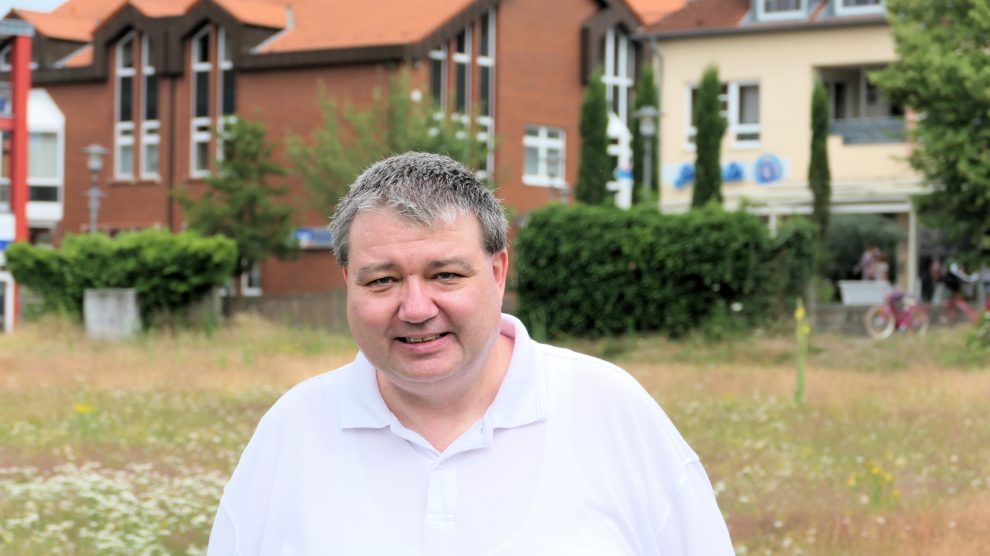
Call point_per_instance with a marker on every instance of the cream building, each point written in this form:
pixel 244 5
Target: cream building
pixel 769 54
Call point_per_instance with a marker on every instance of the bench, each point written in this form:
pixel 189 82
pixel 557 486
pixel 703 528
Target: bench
pixel 863 292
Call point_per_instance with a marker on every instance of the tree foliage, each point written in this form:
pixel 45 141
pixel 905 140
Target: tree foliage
pixel 942 72
pixel 595 168
pixel 169 271
pixel 352 137
pixel 592 271
pixel 819 175
pixel 239 202
pixel 646 95
pixel 711 127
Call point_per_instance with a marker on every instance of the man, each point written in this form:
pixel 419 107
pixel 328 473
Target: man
pixel 453 432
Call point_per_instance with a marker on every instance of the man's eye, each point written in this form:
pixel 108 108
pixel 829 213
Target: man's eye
pixel 447 276
pixel 383 281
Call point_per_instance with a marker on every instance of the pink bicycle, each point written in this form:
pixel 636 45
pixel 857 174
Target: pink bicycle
pixel 897 312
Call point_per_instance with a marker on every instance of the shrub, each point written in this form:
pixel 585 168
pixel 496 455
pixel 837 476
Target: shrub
pixel 591 271
pixel 168 271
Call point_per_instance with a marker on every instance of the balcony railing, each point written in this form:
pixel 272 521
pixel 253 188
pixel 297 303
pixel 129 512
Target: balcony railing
pixel 869 131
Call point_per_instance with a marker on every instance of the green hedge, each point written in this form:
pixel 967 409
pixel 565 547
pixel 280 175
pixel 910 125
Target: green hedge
pixel 169 271
pixel 591 271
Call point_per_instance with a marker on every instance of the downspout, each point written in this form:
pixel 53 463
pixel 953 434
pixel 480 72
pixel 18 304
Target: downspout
pixel 170 182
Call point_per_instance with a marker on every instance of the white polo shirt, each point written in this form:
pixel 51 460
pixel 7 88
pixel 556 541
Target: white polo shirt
pixel 573 457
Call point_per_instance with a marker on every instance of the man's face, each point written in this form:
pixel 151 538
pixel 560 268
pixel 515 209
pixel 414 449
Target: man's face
pixel 423 304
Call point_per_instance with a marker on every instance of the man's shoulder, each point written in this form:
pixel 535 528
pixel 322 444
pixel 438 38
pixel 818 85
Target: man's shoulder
pixel 312 394
pixel 584 368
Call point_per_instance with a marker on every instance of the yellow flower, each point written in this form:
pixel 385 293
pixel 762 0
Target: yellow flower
pixel 83 408
pixel 799 312
pixel 806 329
pixel 851 481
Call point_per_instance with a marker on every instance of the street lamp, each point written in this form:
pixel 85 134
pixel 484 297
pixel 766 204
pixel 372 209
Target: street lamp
pixel 94 161
pixel 647 116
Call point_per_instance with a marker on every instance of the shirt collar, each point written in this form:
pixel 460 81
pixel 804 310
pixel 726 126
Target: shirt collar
pixel 521 398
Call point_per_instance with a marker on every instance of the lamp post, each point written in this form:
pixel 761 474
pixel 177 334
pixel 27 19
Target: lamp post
pixel 647 116
pixel 94 161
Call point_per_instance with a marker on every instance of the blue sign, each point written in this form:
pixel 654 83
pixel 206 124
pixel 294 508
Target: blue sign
pixel 623 173
pixel 733 171
pixel 685 176
pixel 768 169
pixel 313 238
pixel 3 244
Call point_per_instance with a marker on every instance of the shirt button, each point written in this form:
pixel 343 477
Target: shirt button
pixel 440 465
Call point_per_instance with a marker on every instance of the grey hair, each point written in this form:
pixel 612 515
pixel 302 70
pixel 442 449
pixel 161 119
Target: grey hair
pixel 424 188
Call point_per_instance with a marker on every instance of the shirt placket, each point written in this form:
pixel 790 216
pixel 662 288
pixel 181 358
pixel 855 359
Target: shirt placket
pixel 441 509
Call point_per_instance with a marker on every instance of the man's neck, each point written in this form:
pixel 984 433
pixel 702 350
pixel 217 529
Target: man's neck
pixel 441 412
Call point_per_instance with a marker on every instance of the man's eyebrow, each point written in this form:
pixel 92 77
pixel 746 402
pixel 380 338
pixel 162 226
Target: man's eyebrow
pixel 365 271
pixel 452 261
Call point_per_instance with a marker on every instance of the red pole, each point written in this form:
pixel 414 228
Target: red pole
pixel 21 84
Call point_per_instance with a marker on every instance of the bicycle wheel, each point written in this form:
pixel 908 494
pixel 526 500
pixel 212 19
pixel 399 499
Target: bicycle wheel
pixel 879 322
pixel 919 321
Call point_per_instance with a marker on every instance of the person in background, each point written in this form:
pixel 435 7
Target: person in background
pixel 867 260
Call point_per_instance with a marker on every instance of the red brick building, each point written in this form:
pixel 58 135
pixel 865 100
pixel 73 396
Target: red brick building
pixel 150 79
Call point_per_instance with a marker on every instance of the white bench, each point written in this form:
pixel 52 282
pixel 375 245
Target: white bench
pixel 863 292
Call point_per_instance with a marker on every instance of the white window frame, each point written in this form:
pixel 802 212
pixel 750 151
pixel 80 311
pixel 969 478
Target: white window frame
pixel 618 75
pixel 486 123
pixel 58 180
pixel 764 15
pixel 123 132
pixel 842 9
pixel 441 55
pixel 199 128
pixel 463 58
pixel 247 289
pixel 543 143
pixel 223 65
pixel 731 114
pixel 150 129
pixel 5 53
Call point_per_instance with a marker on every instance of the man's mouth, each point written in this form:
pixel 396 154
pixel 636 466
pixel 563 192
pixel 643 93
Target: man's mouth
pixel 420 339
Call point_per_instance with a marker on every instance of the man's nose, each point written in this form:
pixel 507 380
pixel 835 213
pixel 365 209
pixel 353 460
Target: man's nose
pixel 417 305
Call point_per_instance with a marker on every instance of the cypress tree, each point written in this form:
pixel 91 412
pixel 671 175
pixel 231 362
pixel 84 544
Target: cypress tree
pixel 646 95
pixel 819 177
pixel 711 126
pixel 595 165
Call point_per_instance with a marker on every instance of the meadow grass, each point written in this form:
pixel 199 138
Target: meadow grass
pixel 124 448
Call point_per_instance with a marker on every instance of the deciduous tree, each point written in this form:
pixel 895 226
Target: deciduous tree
pixel 942 72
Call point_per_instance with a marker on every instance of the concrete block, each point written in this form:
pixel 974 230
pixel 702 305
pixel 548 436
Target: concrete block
pixel 111 314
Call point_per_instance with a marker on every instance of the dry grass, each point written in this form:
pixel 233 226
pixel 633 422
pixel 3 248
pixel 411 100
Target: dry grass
pixel 889 455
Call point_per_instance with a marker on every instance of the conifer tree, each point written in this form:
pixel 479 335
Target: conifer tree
pixel 646 95
pixel 711 126
pixel 595 168
pixel 238 202
pixel 819 176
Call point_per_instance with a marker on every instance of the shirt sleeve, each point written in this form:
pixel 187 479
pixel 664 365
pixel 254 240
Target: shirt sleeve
pixel 695 525
pixel 223 537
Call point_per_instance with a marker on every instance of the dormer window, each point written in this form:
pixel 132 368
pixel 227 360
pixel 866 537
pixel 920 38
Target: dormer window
pixel 859 7
pixel 771 10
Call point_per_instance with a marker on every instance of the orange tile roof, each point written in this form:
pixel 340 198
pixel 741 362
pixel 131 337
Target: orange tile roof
pixel 162 8
pixel 651 11
pixel 321 24
pixel 254 12
pixel 80 58
pixel 703 14
pixel 53 25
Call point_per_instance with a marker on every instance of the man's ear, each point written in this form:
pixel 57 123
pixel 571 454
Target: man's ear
pixel 344 270
pixel 500 268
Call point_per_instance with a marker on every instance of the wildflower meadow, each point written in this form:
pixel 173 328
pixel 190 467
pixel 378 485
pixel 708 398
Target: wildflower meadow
pixel 124 448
